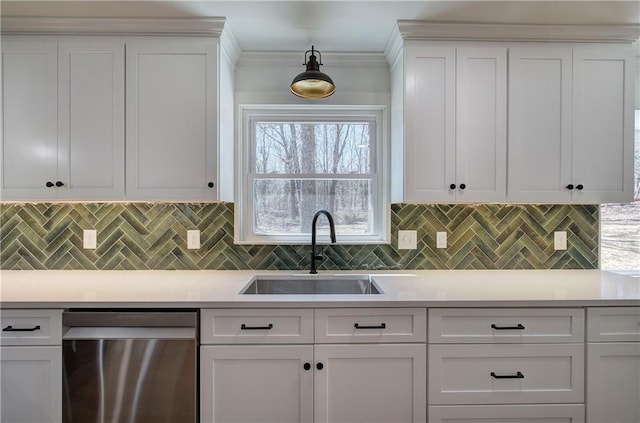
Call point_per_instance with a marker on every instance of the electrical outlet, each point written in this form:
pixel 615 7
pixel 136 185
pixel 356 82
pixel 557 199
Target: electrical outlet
pixel 193 239
pixel 407 240
pixel 441 240
pixel 560 240
pixel 89 239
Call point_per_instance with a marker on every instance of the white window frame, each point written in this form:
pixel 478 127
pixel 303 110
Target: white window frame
pixel 380 186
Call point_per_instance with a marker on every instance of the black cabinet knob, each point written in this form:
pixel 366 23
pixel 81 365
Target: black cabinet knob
pixel 49 184
pixel 307 366
pixel 59 184
pixel 463 186
pixel 570 186
pixel 579 187
pixel 452 186
pixel 319 366
pixel 210 184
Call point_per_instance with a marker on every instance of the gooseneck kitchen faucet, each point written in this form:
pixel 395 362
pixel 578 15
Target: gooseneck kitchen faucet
pixel 332 233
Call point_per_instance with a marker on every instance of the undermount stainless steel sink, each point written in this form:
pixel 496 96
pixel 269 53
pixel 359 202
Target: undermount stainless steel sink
pixel 312 285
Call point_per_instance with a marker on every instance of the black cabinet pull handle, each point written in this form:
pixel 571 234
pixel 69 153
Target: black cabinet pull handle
pixel 452 186
pixel 518 375
pixel 12 329
pixel 463 186
pixel 307 366
pixel 245 327
pixel 518 327
pixel 579 187
pixel 570 186
pixel 210 184
pixel 59 184
pixel 319 366
pixel 49 184
pixel 380 326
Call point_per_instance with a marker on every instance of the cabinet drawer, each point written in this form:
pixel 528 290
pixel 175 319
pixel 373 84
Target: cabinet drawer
pixel 506 374
pixel 31 327
pixel 479 326
pixel 354 325
pixel 543 413
pixel 609 324
pixel 256 326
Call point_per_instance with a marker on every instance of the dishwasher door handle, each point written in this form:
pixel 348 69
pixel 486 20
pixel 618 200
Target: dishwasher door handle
pixel 92 332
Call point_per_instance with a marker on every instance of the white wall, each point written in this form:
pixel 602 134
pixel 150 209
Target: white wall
pixel 360 78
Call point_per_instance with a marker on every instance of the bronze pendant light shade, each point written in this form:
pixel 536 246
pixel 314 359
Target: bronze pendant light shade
pixel 312 84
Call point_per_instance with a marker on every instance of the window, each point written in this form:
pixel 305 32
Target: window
pixel 296 161
pixel 620 225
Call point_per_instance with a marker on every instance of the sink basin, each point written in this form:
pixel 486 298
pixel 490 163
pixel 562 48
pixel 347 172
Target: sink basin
pixel 311 285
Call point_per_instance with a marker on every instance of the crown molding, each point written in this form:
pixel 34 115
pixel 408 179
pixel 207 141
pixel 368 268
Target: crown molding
pixel 393 48
pixel 229 46
pixel 422 30
pixel 261 58
pixel 195 27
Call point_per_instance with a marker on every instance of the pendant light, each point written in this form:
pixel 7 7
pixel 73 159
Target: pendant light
pixel 312 83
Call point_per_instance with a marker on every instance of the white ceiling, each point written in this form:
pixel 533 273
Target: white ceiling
pixel 336 25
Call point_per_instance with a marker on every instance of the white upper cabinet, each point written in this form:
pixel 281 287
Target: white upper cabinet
pixel 63 109
pixel 570 125
pixel 602 149
pixel 455 123
pixel 172 122
pixel 29 115
pixel 91 120
pixel 72 130
pixel 481 124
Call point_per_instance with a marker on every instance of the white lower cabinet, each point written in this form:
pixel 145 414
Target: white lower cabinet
pixel 380 383
pixel 506 374
pixel 256 383
pixel 571 413
pixel 506 365
pixel 31 366
pixel 613 365
pixel 295 380
pixel 31 390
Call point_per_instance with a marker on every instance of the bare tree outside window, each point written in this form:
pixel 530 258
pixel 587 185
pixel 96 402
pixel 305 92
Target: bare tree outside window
pixel 298 168
pixel 620 224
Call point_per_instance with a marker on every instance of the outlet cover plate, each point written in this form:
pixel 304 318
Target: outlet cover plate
pixel 193 239
pixel 407 240
pixel 560 240
pixel 89 239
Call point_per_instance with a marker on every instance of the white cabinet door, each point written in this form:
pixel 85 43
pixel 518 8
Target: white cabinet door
pixel 29 114
pixel 91 120
pixel 31 384
pixel 613 382
pixel 481 124
pixel 539 124
pixel 430 93
pixel 370 383
pixel 171 120
pixel 455 124
pixel 260 384
pixel 602 153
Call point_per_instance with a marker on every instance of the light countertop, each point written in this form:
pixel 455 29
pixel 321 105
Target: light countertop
pixel 219 288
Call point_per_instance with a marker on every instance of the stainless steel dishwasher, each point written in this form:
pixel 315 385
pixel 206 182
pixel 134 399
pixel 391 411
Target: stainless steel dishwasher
pixel 130 366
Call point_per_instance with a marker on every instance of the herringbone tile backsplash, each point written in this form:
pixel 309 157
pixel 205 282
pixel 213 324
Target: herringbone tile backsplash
pixel 153 236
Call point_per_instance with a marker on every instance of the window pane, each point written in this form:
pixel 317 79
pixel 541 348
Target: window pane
pixel 620 225
pixel 308 148
pixel 288 206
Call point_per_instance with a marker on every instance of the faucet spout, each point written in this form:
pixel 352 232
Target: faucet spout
pixel 332 234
